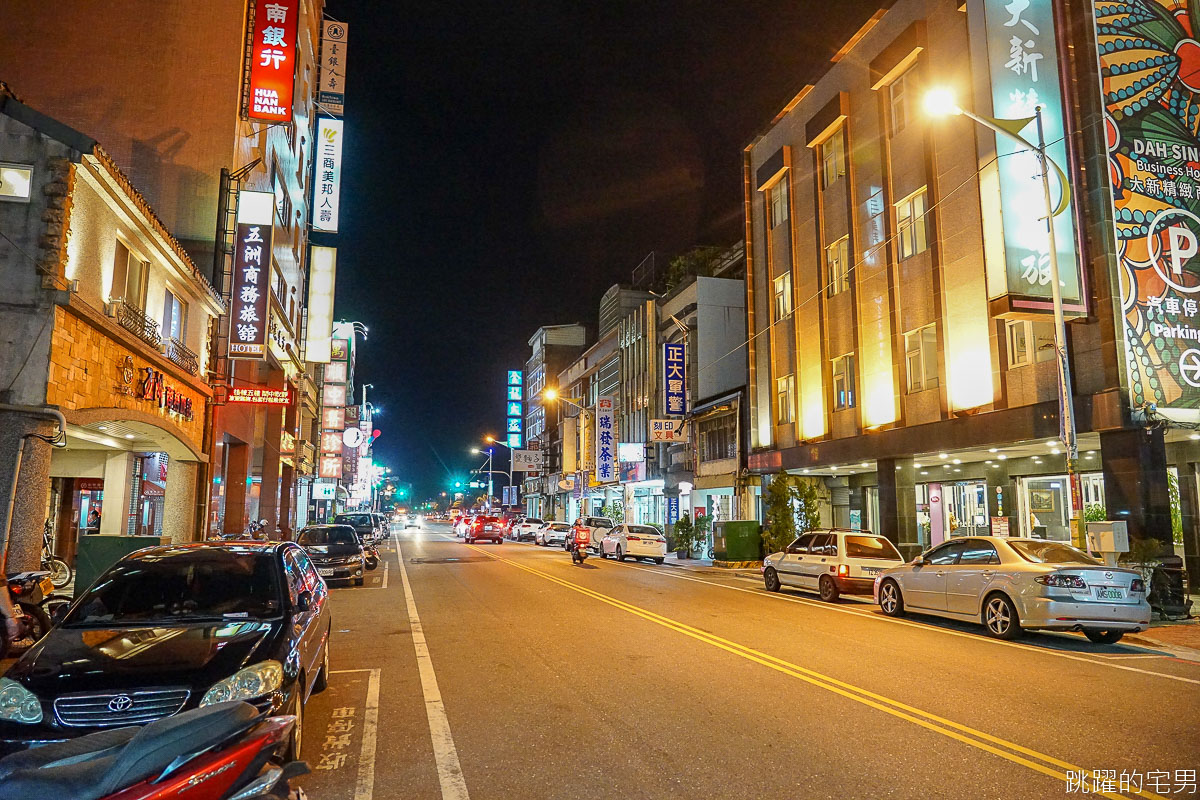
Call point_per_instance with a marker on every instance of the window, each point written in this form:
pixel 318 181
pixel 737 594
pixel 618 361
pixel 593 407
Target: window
pixel 911 232
pixel 783 295
pixel 718 438
pixel 871 547
pixel 946 554
pixel 800 546
pixel 977 551
pixel 777 199
pixel 833 159
pixel 129 277
pixel 283 201
pixel 837 262
pixel 920 356
pixel 901 95
pixel 1018 336
pixel 785 393
pixel 174 324
pixel 843 382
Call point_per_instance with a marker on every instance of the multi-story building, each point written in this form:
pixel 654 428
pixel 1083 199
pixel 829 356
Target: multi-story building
pixel 106 323
pixel 552 349
pixel 180 127
pixel 902 352
pixel 596 373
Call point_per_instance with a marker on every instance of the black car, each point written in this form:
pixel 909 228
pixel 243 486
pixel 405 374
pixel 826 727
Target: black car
pixel 363 523
pixel 337 551
pixel 172 628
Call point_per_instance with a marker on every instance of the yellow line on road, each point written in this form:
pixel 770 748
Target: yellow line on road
pixel 916 716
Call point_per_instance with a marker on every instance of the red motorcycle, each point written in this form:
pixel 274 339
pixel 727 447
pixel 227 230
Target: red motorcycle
pixel 225 751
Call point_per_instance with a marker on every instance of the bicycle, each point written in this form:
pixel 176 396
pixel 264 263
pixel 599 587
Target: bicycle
pixel 60 570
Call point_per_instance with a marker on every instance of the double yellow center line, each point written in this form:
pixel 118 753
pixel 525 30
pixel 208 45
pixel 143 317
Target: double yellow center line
pixel 1010 751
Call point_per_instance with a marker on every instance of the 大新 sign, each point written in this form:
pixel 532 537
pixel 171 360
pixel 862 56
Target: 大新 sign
pixel 668 430
pixel 1145 53
pixel 328 185
pixel 674 380
pixel 606 440
pixel 272 60
pixel 331 94
pixel 260 395
pixel 251 275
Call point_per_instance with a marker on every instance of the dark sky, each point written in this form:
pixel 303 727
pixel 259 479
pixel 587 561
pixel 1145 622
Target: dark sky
pixel 508 162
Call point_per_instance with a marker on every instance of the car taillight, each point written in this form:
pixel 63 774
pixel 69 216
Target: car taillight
pixel 1137 585
pixel 633 538
pixel 843 571
pixel 1062 581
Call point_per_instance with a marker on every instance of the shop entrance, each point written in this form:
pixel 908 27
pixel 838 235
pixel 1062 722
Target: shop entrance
pixel 1045 506
pixel 966 506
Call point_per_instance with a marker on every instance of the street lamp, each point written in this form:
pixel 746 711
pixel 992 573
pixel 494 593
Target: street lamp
pixel 941 102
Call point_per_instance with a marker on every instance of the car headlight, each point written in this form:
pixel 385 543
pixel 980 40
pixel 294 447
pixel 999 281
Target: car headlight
pixel 245 684
pixel 18 704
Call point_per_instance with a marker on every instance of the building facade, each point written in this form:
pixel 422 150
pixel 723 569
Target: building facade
pixel 552 349
pixel 902 353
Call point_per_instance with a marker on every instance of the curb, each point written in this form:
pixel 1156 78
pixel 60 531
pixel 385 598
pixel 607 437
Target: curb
pixel 737 564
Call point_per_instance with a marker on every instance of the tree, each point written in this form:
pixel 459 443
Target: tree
pixel 684 534
pixel 697 261
pixel 791 506
pixel 614 511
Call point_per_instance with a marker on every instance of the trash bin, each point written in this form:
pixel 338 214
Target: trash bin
pixel 737 540
pixel 99 552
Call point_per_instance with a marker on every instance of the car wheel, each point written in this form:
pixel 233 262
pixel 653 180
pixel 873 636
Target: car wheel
pixel 322 681
pixel 359 581
pixel 620 553
pixel 294 744
pixel 1000 617
pixel 771 579
pixel 658 560
pixel 828 589
pixel 1103 637
pixel 890 599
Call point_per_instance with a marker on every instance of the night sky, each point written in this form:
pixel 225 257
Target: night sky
pixel 507 163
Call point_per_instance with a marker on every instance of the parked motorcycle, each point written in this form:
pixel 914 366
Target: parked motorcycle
pixel 28 591
pixel 371 553
pixel 226 751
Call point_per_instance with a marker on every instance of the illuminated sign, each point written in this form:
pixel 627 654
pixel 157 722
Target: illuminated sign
pixel 15 182
pixel 514 393
pixel 153 387
pixel 287 442
pixel 674 380
pixel 272 60
pixel 333 419
pixel 631 452
pixel 606 440
pixel 1023 64
pixel 1154 169
pixel 526 460
pixel 318 346
pixel 515 423
pixel 251 275
pixel 352 437
pixel 333 394
pixel 335 372
pixel 340 349
pixel 331 467
pixel 668 430
pixel 514 377
pixel 328 183
pixel 331 442
pixel 514 440
pixel 331 93
pixel 260 395
pixel 324 491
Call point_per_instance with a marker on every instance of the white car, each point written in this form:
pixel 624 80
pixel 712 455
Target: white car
pixel 831 561
pixel 526 528
pixel 551 533
pixel 634 541
pixel 1009 584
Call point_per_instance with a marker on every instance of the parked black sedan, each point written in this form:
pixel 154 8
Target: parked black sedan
pixel 171 628
pixel 337 551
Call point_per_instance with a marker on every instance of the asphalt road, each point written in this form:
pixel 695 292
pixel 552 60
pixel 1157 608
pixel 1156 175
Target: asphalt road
pixel 504 671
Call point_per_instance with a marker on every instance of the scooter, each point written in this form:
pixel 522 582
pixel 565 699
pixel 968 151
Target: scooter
pixel 225 751
pixel 28 591
pixel 579 552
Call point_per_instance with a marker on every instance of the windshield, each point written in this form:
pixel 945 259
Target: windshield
pixel 1050 552
pixel 643 530
pixel 332 535
pixel 181 586
pixel 357 520
pixel 560 526
pixel 871 547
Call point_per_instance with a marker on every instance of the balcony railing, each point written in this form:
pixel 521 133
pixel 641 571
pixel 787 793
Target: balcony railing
pixel 177 352
pixel 134 320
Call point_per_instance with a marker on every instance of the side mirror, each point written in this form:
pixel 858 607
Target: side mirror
pixel 304 601
pixel 920 561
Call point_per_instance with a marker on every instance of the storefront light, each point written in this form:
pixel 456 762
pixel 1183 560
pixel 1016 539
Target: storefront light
pixel 1002 457
pixel 1193 437
pixel 942 455
pixel 866 464
pixel 993 449
pixel 957 461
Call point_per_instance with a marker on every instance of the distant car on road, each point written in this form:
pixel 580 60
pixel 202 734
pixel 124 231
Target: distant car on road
pixel 832 562
pixel 525 529
pixel 1014 584
pixel 597 527
pixel 412 521
pixel 552 533
pixel 634 541
pixel 490 528
pixel 337 552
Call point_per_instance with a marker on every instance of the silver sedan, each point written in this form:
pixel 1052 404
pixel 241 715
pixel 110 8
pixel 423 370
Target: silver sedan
pixel 1011 584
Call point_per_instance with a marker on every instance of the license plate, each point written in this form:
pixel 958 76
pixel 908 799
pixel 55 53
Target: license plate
pixel 47 586
pixel 871 570
pixel 1108 593
pixel 325 573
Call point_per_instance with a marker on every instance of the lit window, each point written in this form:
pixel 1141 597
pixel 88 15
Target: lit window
pixel 785 396
pixel 129 277
pixel 910 225
pixel 901 94
pixel 833 159
pixel 843 382
pixel 783 295
pixel 837 263
pixel 174 324
pixel 777 198
pixel 920 357
pixel 1019 336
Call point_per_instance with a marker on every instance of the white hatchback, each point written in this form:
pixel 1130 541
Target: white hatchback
pixel 552 533
pixel 831 561
pixel 634 541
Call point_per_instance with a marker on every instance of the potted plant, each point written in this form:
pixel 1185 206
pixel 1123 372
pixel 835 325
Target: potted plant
pixel 684 534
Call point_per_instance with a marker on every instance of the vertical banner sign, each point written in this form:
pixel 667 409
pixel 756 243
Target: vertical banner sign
pixel 328 185
pixel 672 510
pixel 514 425
pixel 1148 61
pixel 331 94
pixel 318 345
pixel 606 440
pixel 251 275
pixel 273 60
pixel 674 378
pixel 1023 64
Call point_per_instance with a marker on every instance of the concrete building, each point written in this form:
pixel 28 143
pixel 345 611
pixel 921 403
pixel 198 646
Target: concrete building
pixel 178 127
pixel 898 294
pixel 552 349
pixel 106 322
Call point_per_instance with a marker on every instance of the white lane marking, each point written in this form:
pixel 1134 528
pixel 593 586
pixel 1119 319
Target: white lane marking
pixel 445 754
pixel 385 576
pixel 973 637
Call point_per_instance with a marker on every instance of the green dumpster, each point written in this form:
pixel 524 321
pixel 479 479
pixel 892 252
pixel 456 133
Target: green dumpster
pixel 97 552
pixel 737 540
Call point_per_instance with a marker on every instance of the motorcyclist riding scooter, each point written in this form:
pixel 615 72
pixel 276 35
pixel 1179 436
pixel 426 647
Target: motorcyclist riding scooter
pixel 579 544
